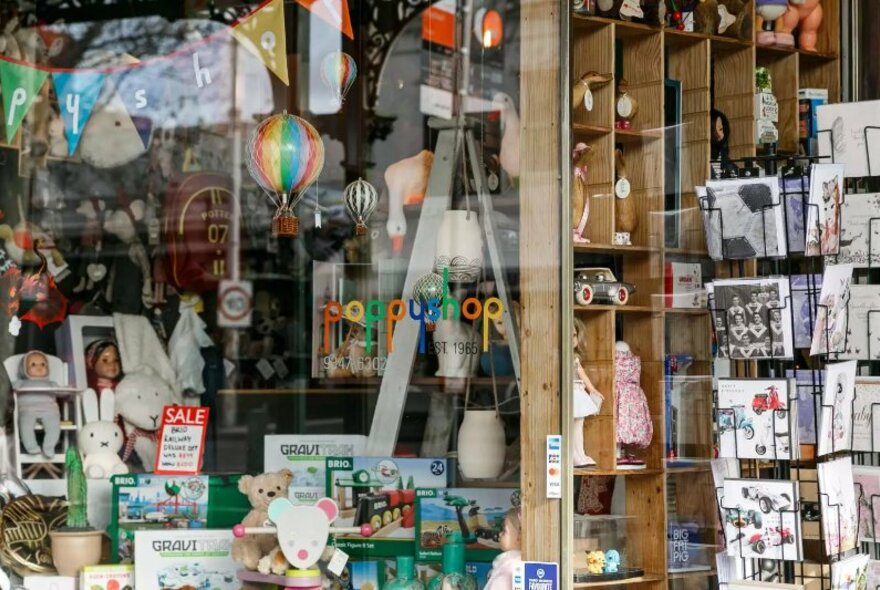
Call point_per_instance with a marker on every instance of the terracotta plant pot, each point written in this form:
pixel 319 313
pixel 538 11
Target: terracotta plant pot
pixel 481 445
pixel 74 549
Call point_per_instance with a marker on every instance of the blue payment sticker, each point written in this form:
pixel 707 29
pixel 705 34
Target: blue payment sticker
pixel 537 575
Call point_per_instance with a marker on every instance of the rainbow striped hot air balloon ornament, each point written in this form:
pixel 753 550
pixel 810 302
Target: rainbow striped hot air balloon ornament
pixel 285 156
pixel 338 72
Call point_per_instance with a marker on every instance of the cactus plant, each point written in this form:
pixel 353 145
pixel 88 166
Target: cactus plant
pixel 77 499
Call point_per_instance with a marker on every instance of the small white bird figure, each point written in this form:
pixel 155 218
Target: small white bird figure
pixel 509 154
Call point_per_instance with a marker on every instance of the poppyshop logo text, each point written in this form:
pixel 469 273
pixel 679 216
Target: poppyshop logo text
pixel 396 310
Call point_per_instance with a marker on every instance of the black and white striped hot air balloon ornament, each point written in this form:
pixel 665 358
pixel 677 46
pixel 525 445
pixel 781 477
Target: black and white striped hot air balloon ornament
pixel 361 199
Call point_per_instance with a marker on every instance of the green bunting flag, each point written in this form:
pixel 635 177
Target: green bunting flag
pixel 20 85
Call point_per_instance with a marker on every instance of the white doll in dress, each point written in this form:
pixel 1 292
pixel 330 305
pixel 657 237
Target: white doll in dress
pixel 587 399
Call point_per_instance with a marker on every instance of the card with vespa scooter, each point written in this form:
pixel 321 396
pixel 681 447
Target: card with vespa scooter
pixel 757 419
pixel 762 519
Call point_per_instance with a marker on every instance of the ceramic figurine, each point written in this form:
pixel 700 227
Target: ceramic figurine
pixel 770 10
pixel 612 561
pixel 634 426
pixel 587 399
pixel 626 220
pixel 580 200
pixel 804 15
pixel 595 562
pixel 504 566
pixel 583 89
pixel 626 106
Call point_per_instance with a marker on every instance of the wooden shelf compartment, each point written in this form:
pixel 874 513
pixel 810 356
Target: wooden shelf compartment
pixel 820 74
pixel 691 334
pixel 783 68
pixel 616 250
pixel 641 55
pixel 734 77
pixel 646 273
pixel 637 136
pixel 646 498
pixel 593 50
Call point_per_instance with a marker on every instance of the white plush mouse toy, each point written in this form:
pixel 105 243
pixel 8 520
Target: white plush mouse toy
pixel 100 438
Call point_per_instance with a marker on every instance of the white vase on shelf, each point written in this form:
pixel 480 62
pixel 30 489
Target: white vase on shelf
pixel 481 445
pixel 459 246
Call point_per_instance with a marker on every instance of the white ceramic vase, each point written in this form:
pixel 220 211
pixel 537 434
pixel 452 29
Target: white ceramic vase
pixel 481 445
pixel 458 349
pixel 459 246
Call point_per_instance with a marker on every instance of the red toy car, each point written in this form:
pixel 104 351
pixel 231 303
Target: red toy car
pixel 772 537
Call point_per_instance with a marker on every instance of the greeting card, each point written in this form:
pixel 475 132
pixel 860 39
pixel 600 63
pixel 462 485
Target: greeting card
pixel 829 335
pixel 761 519
pixel 838 502
pixel 850 573
pixel 866 482
pixel 752 318
pixel 863 325
pixel 754 419
pixel 860 230
pixel 866 415
pixel 823 214
pixel 743 218
pixel 836 419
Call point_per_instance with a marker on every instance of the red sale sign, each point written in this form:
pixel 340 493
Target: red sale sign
pixel 181 440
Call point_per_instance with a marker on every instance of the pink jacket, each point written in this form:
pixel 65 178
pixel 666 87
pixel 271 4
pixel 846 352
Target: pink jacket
pixel 503 567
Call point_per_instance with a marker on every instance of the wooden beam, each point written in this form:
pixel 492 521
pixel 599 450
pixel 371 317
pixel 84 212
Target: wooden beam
pixel 542 237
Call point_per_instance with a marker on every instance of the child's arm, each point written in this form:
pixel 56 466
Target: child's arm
pixel 582 375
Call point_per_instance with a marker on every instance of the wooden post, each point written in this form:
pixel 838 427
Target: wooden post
pixel 544 30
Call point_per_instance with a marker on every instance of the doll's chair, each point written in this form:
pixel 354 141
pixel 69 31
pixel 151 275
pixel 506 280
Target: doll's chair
pixel 31 466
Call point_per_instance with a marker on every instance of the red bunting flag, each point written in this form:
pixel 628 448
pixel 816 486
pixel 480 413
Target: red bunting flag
pixel 334 12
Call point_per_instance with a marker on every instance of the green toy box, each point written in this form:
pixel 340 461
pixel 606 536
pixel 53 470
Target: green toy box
pixel 478 513
pixel 146 501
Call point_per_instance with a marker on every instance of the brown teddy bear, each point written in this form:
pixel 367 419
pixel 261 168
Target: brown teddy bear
pixel 737 19
pixel 260 490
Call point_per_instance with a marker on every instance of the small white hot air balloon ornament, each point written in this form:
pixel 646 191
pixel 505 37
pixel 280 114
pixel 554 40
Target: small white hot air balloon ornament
pixel 360 199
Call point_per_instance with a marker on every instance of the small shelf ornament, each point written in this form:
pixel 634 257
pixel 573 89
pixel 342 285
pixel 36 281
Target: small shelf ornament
pixel 626 106
pixel 360 199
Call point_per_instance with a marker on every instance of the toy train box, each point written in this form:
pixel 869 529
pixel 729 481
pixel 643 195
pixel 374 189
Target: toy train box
pixel 145 501
pixel 380 491
pixel 475 512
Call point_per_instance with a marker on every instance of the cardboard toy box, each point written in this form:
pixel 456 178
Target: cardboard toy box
pixel 305 455
pixel 380 491
pixel 477 513
pixel 145 501
pixel 183 559
pixel 107 577
pixel 684 285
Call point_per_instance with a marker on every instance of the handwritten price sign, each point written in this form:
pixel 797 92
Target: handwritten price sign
pixel 181 440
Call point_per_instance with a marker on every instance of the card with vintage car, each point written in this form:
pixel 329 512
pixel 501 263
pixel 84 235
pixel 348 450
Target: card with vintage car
pixel 762 519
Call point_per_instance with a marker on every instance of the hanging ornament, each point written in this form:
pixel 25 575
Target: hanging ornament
pixel 427 288
pixel 338 72
pixel 285 156
pixel 360 200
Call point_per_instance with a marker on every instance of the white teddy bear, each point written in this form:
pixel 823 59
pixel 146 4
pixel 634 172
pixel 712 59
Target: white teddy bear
pixel 140 398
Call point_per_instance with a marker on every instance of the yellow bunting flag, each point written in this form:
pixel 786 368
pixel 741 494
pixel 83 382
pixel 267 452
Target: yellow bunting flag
pixel 262 32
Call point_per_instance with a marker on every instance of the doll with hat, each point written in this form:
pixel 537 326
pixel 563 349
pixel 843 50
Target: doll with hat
pixel 36 404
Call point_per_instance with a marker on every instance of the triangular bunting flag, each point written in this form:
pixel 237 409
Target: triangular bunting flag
pixel 142 89
pixel 20 85
pixel 334 12
pixel 262 32
pixel 77 94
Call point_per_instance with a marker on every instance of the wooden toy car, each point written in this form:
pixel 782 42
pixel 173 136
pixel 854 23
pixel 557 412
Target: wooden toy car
pixel 600 284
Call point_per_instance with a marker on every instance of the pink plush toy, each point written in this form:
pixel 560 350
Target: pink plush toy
pixel 805 14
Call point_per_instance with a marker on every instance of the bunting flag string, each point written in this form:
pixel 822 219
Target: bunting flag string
pixel 184 81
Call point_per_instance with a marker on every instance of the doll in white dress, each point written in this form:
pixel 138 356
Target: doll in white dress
pixel 587 399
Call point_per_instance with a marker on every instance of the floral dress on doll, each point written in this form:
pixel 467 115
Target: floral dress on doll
pixel 634 427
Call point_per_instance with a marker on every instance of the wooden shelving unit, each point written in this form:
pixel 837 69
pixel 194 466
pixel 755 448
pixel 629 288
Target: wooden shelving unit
pixel 714 72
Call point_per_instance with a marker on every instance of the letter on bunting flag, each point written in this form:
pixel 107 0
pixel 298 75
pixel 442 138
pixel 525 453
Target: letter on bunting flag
pixel 262 33
pixel 77 94
pixel 20 85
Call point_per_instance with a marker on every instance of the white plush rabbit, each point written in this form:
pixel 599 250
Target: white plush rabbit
pixel 100 439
